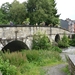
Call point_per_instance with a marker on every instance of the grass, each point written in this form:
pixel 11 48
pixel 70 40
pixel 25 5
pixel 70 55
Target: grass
pixel 30 62
pixel 66 70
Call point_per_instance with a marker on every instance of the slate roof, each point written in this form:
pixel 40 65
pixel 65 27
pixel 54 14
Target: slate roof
pixel 64 24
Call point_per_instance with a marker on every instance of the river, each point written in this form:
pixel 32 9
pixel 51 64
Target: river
pixel 67 51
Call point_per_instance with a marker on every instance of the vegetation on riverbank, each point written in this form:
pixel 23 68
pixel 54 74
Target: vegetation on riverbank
pixel 64 42
pixel 72 41
pixel 28 62
pixel 66 70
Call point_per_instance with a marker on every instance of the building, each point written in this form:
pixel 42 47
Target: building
pixel 68 24
pixel 63 24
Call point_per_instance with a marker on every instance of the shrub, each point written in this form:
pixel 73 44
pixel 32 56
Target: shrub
pixel 36 58
pixel 15 58
pixel 32 55
pixel 55 48
pixel 41 41
pixel 6 68
pixel 72 42
pixel 64 42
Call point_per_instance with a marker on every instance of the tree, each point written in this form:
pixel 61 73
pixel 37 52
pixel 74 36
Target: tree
pixel 1 17
pixel 18 12
pixel 5 9
pixel 42 11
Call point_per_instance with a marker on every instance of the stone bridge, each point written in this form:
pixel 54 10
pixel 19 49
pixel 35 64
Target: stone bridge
pixel 25 33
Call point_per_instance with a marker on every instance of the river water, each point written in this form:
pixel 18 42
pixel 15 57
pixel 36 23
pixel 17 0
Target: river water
pixel 67 51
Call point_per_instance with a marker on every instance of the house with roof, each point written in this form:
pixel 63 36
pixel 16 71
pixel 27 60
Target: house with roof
pixel 63 24
pixel 68 24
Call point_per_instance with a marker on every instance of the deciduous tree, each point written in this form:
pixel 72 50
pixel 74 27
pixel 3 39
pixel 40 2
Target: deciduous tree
pixel 42 10
pixel 18 12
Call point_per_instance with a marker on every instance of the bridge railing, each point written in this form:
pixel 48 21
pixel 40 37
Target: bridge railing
pixel 30 26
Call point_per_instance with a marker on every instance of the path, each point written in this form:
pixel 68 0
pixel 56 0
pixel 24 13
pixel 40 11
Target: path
pixel 57 70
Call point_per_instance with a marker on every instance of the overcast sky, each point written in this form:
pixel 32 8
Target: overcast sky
pixel 65 7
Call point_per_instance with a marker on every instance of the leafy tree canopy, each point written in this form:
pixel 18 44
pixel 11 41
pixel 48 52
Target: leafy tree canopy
pixel 37 11
pixel 43 10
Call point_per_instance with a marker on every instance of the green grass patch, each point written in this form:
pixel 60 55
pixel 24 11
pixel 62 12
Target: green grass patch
pixel 66 70
pixel 30 62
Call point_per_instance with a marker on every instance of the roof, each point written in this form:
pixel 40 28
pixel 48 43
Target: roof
pixel 64 24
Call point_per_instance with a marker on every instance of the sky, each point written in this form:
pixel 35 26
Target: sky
pixel 65 7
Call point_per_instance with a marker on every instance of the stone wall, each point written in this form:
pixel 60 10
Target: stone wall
pixel 11 32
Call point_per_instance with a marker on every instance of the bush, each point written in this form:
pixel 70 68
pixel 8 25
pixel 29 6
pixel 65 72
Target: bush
pixel 6 68
pixel 41 41
pixel 55 48
pixel 32 55
pixel 72 42
pixel 42 57
pixel 28 62
pixel 64 42
pixel 15 58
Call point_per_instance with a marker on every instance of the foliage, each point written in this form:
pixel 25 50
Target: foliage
pixel 56 48
pixel 6 68
pixel 66 70
pixel 37 11
pixel 72 41
pixel 26 22
pixel 33 60
pixel 32 55
pixel 17 12
pixel 41 58
pixel 64 42
pixel 16 58
pixel 45 9
pixel 5 8
pixel 2 18
pixel 40 41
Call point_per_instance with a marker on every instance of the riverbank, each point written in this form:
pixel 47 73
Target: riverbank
pixel 58 69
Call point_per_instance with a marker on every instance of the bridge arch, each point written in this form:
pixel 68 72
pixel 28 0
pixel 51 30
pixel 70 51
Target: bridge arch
pixel 15 46
pixel 25 33
pixel 57 37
